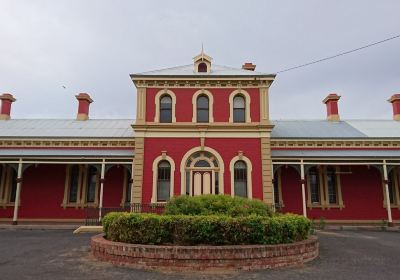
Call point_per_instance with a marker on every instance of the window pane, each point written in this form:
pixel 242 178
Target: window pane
pixel 166 101
pixel 202 102
pixel 391 187
pixel 128 187
pixel 202 115
pixel 240 177
pixel 332 187
pixel 163 180
pixel 91 184
pixel 163 190
pixel 202 163
pixel 314 185
pixel 239 115
pixel 202 67
pixel 73 184
pixel 238 102
pixel 165 115
pixel 276 189
pixel 13 185
pixel 216 183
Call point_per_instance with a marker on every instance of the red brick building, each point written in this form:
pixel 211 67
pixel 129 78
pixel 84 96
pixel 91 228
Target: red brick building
pixel 200 129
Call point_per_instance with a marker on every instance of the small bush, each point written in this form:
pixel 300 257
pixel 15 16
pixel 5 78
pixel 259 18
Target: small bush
pixel 205 230
pixel 216 205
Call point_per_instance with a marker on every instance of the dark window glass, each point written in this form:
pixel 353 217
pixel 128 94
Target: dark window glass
pixel 276 189
pixel 202 163
pixel 216 183
pixel 239 109
pixel 73 183
pixel 391 186
pixel 13 193
pixel 240 178
pixel 314 185
pixel 202 109
pixel 1 177
pixel 128 187
pixel 202 67
pixel 163 180
pixel 166 109
pixel 332 185
pixel 91 184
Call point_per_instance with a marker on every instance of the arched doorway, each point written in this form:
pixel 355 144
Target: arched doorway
pixel 202 174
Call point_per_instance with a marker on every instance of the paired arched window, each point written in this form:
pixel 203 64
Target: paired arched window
pixel 165 109
pixel 202 67
pixel 91 184
pixel 203 109
pixel 240 178
pixel 163 180
pixel 73 184
pixel 239 108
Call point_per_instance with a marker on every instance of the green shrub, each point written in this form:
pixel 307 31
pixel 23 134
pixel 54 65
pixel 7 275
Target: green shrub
pixel 216 205
pixel 205 230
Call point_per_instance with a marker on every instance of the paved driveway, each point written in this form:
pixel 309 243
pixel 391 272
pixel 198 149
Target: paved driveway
pixel 57 254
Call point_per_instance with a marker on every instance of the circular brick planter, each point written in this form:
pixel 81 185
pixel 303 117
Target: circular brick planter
pixel 181 258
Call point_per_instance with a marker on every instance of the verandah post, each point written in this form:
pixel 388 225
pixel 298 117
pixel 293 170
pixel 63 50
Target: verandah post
pixel 387 197
pixel 303 191
pixel 17 193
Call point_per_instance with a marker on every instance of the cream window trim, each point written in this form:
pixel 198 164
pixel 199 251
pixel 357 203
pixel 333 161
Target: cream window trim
pixel 210 105
pixel 85 186
pixel 249 175
pixel 221 165
pixel 66 202
pixel 6 188
pixel 247 98
pixel 396 190
pixel 157 103
pixel 155 176
pixel 321 203
pixel 339 197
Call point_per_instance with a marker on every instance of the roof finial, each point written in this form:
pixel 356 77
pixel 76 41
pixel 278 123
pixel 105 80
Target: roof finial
pixel 202 51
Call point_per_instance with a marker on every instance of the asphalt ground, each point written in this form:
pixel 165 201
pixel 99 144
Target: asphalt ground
pixel 58 254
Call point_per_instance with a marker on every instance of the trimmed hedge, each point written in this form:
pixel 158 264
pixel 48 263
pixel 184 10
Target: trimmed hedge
pixel 216 205
pixel 205 230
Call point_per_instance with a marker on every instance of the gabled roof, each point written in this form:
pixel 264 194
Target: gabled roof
pixel 188 70
pixel 66 128
pixel 336 130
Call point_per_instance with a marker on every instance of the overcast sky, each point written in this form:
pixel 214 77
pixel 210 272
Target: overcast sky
pixel 93 46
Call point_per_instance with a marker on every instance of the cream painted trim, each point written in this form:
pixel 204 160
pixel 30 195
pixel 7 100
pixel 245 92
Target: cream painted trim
pixel 339 203
pixel 221 165
pixel 247 98
pixel 210 105
pixel 321 203
pixel 249 175
pixel 157 103
pixel 124 187
pixel 156 161
pixel 83 202
pixel 279 176
pixel 196 65
pixel 66 202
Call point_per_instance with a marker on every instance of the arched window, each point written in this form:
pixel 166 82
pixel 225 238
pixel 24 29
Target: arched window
pixel 239 109
pixel 163 180
pixel 202 67
pixel 202 109
pixel 314 186
pixel 166 109
pixel 240 178
pixel 91 184
pixel 73 184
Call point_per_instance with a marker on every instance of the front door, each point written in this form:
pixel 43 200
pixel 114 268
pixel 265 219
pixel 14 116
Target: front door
pixel 201 182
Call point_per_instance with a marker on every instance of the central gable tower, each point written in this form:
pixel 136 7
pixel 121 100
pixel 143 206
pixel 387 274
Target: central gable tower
pixel 202 129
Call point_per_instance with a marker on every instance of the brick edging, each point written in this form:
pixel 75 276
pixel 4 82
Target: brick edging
pixel 179 258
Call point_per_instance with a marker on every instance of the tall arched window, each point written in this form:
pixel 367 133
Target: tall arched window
pixel 91 184
pixel 314 186
pixel 163 180
pixel 202 67
pixel 13 193
pixel 73 184
pixel 240 178
pixel 239 109
pixel 202 109
pixel 332 185
pixel 166 109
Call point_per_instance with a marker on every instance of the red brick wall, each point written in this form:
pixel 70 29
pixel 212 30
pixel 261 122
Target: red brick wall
pixel 176 149
pixel 184 107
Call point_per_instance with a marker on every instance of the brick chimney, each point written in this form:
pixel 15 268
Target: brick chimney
pixel 249 66
pixel 395 100
pixel 332 111
pixel 6 100
pixel 83 108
